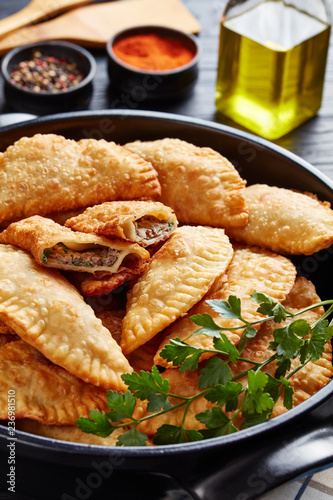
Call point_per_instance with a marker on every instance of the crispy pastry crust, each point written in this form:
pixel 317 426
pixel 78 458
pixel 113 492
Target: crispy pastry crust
pixel 46 311
pixel 179 275
pixel 116 219
pixel 251 269
pixel 48 173
pixel 200 185
pixel 68 433
pixel 37 234
pixel 44 391
pixel 285 221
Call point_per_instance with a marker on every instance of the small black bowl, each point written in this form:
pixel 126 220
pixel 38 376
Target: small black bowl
pixel 143 84
pixel 27 100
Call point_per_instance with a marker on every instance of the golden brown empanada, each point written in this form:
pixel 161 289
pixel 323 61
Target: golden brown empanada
pixel 48 173
pixel 251 269
pixel 200 185
pixel 43 391
pixel 178 276
pixel 68 433
pixel 58 247
pixel 142 222
pixel 285 221
pixel 46 311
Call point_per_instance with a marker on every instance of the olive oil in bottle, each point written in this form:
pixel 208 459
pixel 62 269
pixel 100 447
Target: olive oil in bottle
pixel 271 66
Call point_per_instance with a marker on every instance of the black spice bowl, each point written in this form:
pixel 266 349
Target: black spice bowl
pixel 42 102
pixel 152 84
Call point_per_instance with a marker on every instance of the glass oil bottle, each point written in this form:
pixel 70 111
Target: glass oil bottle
pixel 272 60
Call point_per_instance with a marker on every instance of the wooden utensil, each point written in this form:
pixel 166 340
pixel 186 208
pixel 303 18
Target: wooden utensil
pixel 36 10
pixel 93 25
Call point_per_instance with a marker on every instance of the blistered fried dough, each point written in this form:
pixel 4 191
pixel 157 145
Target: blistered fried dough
pixel 58 247
pixel 44 391
pixel 68 433
pixel 179 274
pixel 48 173
pixel 251 269
pixel 143 357
pixel 46 311
pixel 285 221
pixel 142 222
pixel 200 185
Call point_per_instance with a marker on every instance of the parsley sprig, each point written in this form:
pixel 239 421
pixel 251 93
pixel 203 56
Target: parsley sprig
pixel 228 400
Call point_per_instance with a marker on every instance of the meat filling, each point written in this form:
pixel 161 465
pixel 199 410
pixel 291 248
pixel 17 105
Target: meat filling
pixel 92 257
pixel 150 228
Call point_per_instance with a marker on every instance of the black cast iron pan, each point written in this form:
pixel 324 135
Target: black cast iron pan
pixel 240 466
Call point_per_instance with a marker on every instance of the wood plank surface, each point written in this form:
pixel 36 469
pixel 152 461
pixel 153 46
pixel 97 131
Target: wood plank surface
pixel 312 140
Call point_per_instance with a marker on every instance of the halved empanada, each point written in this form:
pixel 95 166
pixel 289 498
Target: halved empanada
pixel 285 221
pixel 251 269
pixel 58 247
pixel 178 276
pixel 48 173
pixel 43 391
pixel 46 311
pixel 200 185
pixel 142 222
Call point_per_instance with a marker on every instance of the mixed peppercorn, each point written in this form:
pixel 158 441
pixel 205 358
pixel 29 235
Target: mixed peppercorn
pixel 47 73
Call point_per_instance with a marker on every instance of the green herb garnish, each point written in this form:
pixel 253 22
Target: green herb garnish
pixel 46 255
pixel 254 402
pixel 82 263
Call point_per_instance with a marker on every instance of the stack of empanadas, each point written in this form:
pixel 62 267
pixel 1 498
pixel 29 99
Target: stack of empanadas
pixel 106 253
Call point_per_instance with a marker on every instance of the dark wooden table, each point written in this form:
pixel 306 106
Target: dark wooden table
pixel 312 141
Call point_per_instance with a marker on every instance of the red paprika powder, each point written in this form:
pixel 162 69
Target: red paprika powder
pixel 152 52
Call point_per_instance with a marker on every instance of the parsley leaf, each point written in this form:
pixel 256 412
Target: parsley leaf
pixel 151 386
pixel 248 333
pixel 209 327
pixel 122 405
pixel 133 437
pixel 269 307
pixel 230 309
pixel 313 347
pixel 217 422
pixel 256 400
pixel 98 424
pixel 287 344
pixel 224 345
pixel 225 395
pixel 214 372
pixel 172 434
pixel 182 354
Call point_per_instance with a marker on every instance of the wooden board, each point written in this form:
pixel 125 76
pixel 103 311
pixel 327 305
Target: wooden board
pixel 93 25
pixel 35 11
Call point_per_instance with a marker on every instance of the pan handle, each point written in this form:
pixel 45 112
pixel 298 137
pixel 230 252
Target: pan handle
pixel 260 469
